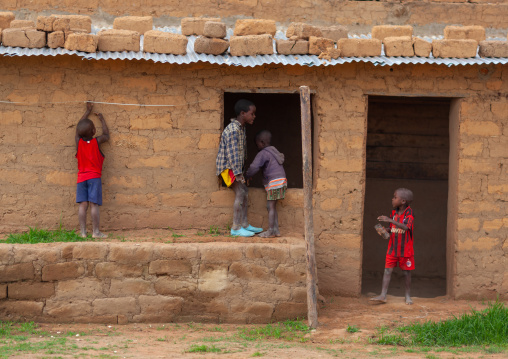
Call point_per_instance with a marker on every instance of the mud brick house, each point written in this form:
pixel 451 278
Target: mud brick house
pixel 408 93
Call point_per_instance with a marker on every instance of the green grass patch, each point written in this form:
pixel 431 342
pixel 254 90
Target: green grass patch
pixel 352 329
pixel 214 231
pixel 288 330
pixel 36 235
pixel 482 328
pixel 204 349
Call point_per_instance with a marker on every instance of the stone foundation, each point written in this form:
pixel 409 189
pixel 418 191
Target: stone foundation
pixel 148 282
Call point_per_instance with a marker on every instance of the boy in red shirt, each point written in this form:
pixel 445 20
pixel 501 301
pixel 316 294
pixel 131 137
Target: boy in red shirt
pixel 400 247
pixel 90 159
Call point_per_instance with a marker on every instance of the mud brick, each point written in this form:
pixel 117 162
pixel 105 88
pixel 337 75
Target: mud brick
pixel 16 24
pixel 16 272
pixel 61 24
pixel 45 23
pixel 454 48
pixel 464 33
pixel 330 53
pixel 78 23
pixel 67 309
pixel 114 306
pixel 421 47
pixel 215 29
pixel 127 254
pixel 206 45
pixel 195 25
pixel 251 45
pixel 6 19
pixel 113 270
pixel 317 45
pixel 292 47
pixel 31 291
pixel 398 46
pixel 335 32
pixel 68 33
pixel 118 40
pixel 301 30
pixel 129 287
pixel 25 309
pixel 30 38
pixel 494 48
pixel 3 291
pixel 246 27
pixel 382 31
pixel 165 43
pixel 160 304
pixel 140 24
pixel 170 267
pixel 82 42
pixel 359 47
pixel 60 271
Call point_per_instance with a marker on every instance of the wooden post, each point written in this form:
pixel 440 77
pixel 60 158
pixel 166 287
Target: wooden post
pixel 307 206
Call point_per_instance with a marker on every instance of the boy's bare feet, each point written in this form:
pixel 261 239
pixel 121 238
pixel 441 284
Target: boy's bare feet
pixel 99 235
pixel 379 299
pixel 268 234
pixel 83 234
pixel 409 301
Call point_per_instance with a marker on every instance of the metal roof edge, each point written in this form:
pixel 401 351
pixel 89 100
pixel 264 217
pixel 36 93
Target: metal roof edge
pixel 250 61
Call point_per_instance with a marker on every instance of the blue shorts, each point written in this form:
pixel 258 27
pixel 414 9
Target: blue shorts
pixel 89 191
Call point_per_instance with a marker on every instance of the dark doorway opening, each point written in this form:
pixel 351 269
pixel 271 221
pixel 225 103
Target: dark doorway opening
pixel 408 145
pixel 278 113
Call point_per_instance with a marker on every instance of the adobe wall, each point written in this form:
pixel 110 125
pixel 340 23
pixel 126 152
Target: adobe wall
pixel 426 16
pixel 126 282
pixel 160 162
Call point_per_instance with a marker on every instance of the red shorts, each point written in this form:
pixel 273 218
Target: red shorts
pixel 405 263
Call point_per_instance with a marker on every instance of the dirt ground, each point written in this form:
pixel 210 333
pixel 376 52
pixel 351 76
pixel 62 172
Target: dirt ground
pixel 330 339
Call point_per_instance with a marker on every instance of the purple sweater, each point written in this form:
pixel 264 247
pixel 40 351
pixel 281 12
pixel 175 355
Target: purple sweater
pixel 270 161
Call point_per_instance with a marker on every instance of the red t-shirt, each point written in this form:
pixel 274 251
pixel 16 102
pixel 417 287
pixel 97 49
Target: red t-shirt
pixel 90 159
pixel 401 241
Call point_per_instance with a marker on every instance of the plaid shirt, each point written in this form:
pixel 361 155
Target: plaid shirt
pixel 232 150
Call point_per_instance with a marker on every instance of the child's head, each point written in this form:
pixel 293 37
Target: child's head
pixel 85 128
pixel 402 197
pixel 263 139
pixel 242 105
pixel 245 111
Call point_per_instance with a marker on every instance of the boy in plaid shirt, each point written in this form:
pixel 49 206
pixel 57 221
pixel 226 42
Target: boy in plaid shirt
pixel 230 164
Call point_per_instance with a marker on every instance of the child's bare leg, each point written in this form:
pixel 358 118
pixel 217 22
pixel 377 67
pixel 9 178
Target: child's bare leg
pixel 272 220
pixel 245 206
pixel 238 207
pixel 276 225
pixel 407 274
pixel 83 207
pixel 386 282
pixel 94 211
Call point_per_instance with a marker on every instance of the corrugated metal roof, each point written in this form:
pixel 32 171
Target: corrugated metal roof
pixel 247 61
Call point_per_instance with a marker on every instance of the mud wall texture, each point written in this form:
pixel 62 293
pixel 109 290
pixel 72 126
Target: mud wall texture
pixel 126 282
pixel 358 15
pixel 160 162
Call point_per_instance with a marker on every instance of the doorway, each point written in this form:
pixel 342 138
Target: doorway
pixel 278 113
pixel 408 145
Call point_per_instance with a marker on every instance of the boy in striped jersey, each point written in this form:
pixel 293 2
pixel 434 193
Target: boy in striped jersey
pixel 270 161
pixel 400 246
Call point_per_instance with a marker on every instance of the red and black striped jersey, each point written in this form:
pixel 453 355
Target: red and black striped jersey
pixel 401 241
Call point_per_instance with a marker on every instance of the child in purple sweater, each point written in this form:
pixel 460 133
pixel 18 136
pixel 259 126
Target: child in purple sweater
pixel 270 161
